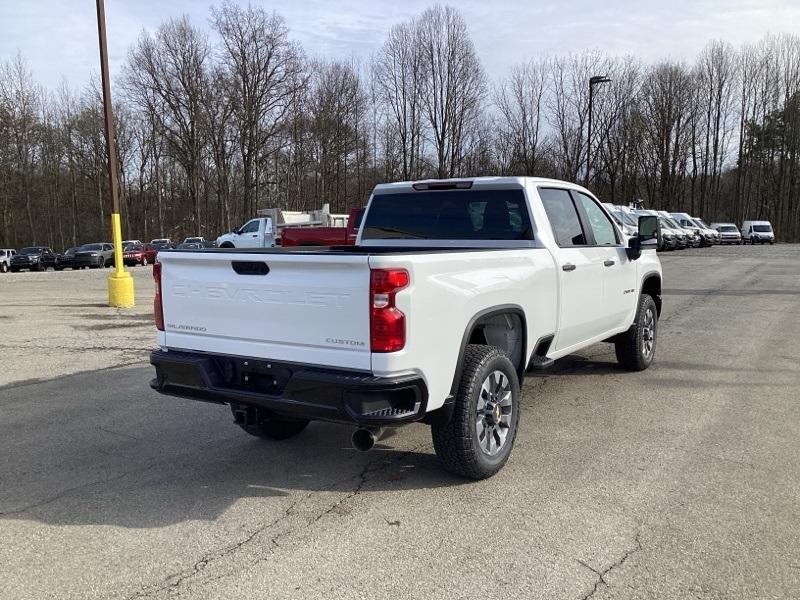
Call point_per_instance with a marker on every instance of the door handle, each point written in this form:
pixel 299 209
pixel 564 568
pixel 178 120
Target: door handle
pixel 568 267
pixel 608 263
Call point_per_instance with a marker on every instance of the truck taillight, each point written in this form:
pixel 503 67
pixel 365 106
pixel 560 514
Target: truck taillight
pixel 387 324
pixel 158 308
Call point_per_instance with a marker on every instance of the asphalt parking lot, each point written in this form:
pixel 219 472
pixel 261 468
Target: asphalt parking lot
pixel 678 482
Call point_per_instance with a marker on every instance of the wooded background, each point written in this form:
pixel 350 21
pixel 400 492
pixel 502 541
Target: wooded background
pixel 215 122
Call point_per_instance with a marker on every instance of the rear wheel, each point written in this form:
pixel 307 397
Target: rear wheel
pixel 479 437
pixel 3 268
pixel 636 347
pixel 256 422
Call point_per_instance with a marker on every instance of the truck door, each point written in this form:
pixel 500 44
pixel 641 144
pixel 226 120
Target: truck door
pixel 580 271
pixel 619 272
pixel 248 235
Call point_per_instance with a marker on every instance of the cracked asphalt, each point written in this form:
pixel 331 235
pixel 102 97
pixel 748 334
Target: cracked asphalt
pixel 679 482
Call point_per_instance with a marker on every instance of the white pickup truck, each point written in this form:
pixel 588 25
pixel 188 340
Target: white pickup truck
pixel 453 290
pixel 256 233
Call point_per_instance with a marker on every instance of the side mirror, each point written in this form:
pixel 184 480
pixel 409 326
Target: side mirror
pixel 648 237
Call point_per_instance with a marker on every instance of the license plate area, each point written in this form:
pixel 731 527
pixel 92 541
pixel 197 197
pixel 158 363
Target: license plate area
pixel 254 375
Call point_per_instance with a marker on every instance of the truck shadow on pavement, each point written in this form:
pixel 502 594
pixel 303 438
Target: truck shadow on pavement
pixel 131 458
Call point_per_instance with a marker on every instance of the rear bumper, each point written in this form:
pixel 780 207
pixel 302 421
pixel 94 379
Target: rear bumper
pixel 291 390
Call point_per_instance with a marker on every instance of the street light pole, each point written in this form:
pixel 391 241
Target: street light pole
pixel 120 283
pixel 593 81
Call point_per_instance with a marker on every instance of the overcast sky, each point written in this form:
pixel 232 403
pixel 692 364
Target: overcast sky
pixel 59 37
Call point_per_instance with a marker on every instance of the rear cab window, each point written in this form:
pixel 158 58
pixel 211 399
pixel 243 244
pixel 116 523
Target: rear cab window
pixel 473 214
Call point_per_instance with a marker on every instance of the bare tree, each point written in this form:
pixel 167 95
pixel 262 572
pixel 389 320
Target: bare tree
pixel 453 84
pixel 520 102
pixel 397 72
pixel 19 94
pixel 263 66
pixel 166 77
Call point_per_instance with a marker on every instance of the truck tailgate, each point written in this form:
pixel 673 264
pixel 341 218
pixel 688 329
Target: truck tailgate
pixel 311 309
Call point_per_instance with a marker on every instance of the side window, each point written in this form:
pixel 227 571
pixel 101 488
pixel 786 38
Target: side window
pixel 563 217
pixel 250 227
pixel 603 229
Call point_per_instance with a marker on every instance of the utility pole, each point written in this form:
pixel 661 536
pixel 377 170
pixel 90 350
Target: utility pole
pixel 120 282
pixel 593 81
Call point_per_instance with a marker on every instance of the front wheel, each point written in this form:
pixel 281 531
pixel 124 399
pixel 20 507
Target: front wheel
pixel 3 268
pixel 479 437
pixel 636 347
pixel 257 423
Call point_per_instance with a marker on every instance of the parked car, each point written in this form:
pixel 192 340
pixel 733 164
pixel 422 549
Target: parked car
pixel 94 256
pixel 5 258
pixel 191 246
pixel 33 258
pixel 691 235
pixel 701 237
pixel 131 242
pixel 728 233
pixel 714 233
pixel 139 254
pixel 462 300
pixel 673 239
pixel 758 232
pixel 324 236
pixel 200 240
pixel 66 260
pixel 161 244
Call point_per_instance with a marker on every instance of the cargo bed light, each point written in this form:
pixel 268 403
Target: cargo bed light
pixel 442 185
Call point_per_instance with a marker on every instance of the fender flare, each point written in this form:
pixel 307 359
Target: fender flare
pixel 443 414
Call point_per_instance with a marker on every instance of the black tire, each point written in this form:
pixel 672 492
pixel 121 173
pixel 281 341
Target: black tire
pixel 227 245
pixel 632 352
pixel 457 442
pixel 3 268
pixel 14 270
pixel 271 428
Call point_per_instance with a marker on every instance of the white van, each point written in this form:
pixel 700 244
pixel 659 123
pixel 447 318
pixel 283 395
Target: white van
pixel 758 231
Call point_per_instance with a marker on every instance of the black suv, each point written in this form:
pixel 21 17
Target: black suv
pixel 33 258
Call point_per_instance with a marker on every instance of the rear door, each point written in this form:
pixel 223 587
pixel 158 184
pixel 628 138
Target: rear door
pixel 305 308
pixel 580 272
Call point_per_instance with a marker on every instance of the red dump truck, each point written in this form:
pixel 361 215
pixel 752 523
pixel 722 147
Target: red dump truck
pixel 324 236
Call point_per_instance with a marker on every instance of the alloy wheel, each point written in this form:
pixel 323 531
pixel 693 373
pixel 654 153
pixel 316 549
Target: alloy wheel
pixel 493 416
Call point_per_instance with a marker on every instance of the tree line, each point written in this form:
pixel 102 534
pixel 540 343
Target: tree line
pixel 216 122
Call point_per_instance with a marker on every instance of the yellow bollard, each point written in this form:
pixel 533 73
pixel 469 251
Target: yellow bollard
pixel 120 282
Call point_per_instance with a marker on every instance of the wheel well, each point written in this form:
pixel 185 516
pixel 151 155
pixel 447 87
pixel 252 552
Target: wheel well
pixel 652 287
pixel 501 327
pixel 227 245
